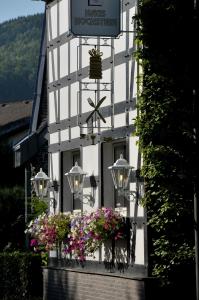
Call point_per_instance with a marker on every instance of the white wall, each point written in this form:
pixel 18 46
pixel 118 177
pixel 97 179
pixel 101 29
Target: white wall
pixel 54 163
pixel 66 62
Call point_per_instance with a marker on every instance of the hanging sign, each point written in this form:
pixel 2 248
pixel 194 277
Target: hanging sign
pixel 95 17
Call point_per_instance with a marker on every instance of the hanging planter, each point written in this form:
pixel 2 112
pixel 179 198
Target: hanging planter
pixel 77 235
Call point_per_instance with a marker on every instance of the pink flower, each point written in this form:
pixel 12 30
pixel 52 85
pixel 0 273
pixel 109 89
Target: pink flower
pixel 33 243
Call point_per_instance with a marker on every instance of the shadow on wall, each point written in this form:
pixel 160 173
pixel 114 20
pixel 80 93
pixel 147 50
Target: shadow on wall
pixel 118 253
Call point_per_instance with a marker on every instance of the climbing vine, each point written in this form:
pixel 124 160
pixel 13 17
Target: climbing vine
pixel 165 129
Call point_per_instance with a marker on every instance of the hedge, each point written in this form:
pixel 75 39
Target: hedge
pixel 20 276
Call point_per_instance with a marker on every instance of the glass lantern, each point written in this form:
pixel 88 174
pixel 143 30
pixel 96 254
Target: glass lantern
pixel 76 178
pixel 120 172
pixel 40 184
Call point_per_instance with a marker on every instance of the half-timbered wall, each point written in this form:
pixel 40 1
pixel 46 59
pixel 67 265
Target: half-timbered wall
pixel 69 87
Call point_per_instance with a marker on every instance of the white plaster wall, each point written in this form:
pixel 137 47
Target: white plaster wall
pixel 85 55
pixel 64 16
pixel 90 159
pixel 107 125
pixel 106 49
pixel 74 98
pixel 132 116
pixel 85 95
pixel 135 79
pixel 132 203
pixel 64 113
pixel 63 60
pixel 53 106
pixel 64 135
pixel 106 76
pixel 120 43
pixel 49 34
pixel 119 120
pixel 53 67
pixel 73 44
pixel 133 150
pixel 132 76
pixel 54 138
pixel 120 83
pixel 90 153
pixel 106 94
pixel 75 132
pixel 90 165
pixel 133 161
pixel 52 22
pixel 131 23
pixel 54 165
pixel 139 249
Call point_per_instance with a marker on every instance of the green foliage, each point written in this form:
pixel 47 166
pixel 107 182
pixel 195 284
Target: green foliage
pixel 165 128
pixel 38 206
pixel 20 276
pixel 19 53
pixel 11 218
pixel 11 201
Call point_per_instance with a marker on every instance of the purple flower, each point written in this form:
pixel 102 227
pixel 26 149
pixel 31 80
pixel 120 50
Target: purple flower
pixel 33 243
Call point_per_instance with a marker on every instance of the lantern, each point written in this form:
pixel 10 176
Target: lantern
pixel 40 184
pixel 120 172
pixel 76 179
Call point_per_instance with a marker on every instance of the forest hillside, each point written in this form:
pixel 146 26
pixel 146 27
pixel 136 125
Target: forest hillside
pixel 19 54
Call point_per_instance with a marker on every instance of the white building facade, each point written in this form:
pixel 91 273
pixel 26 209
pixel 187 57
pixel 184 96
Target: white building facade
pixel 96 141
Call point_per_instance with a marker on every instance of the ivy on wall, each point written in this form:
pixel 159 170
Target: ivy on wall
pixel 165 125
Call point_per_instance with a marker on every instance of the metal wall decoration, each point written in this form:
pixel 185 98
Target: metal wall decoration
pixel 95 64
pixel 96 88
pixel 96 109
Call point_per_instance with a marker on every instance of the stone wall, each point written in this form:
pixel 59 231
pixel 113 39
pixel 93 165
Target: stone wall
pixel 66 284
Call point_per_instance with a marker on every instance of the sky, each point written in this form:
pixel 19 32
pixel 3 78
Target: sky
pixel 11 9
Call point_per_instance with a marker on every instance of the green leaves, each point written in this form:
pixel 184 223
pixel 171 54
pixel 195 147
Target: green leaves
pixel 38 206
pixel 165 129
pixel 12 217
pixel 20 275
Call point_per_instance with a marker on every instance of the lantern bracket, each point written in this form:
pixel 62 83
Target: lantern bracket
pixel 129 195
pixel 121 173
pixel 89 198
